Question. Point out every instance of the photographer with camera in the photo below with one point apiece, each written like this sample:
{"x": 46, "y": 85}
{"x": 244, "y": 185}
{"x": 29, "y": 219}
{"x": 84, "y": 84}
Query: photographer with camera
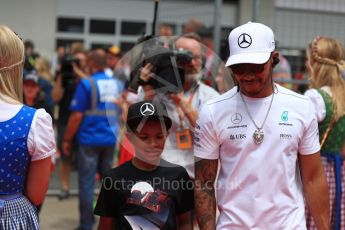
{"x": 184, "y": 107}
{"x": 73, "y": 68}
{"x": 173, "y": 77}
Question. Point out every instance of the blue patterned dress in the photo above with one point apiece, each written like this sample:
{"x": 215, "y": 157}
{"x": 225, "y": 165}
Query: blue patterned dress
{"x": 16, "y": 212}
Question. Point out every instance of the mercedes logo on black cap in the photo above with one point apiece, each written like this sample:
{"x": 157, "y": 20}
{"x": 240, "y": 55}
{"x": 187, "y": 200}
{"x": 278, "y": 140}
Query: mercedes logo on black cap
{"x": 147, "y": 109}
{"x": 244, "y": 40}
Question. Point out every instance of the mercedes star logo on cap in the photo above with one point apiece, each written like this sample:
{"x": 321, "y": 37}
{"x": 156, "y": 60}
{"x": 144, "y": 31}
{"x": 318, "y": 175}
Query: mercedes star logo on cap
{"x": 147, "y": 109}
{"x": 244, "y": 40}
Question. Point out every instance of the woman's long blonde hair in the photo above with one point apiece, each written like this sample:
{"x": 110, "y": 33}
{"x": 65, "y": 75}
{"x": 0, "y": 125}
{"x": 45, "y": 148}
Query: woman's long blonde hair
{"x": 11, "y": 66}
{"x": 327, "y": 63}
{"x": 43, "y": 68}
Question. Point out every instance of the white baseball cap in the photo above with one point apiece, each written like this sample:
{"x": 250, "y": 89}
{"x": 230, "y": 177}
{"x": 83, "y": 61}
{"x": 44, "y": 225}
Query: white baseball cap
{"x": 250, "y": 43}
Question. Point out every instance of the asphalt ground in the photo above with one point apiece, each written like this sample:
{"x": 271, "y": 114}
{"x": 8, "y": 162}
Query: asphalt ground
{"x": 64, "y": 214}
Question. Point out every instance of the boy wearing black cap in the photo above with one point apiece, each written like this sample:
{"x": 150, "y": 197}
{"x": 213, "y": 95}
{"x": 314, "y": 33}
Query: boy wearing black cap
{"x": 146, "y": 192}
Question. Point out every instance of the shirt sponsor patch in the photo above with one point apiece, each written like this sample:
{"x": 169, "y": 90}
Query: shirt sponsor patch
{"x": 285, "y": 136}
{"x": 238, "y": 136}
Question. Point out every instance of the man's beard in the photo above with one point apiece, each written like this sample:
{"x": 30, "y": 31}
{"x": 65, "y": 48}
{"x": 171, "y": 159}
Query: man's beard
{"x": 193, "y": 77}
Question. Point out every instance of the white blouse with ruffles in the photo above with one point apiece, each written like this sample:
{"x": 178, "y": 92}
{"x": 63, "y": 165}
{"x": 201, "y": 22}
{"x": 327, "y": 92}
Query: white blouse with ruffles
{"x": 41, "y": 138}
{"x": 318, "y": 102}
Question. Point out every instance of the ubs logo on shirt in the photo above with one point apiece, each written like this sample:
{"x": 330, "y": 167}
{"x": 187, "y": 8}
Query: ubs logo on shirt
{"x": 238, "y": 136}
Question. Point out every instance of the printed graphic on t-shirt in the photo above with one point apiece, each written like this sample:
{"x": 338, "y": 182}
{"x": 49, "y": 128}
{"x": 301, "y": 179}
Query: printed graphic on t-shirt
{"x": 156, "y": 201}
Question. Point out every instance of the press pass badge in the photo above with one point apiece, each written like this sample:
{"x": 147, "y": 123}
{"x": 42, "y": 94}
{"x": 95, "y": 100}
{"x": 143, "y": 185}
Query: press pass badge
{"x": 184, "y": 139}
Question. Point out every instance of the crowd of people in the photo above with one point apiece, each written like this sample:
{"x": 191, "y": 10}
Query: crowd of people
{"x": 188, "y": 143}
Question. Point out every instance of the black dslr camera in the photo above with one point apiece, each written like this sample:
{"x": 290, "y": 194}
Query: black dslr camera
{"x": 67, "y": 69}
{"x": 167, "y": 77}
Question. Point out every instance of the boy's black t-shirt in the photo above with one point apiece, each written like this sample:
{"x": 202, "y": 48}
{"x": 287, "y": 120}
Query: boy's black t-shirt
{"x": 140, "y": 199}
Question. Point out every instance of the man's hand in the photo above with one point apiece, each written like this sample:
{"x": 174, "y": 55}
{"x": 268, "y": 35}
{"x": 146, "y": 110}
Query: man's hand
{"x": 72, "y": 127}
{"x": 78, "y": 72}
{"x": 315, "y": 189}
{"x": 66, "y": 147}
{"x": 176, "y": 98}
{"x": 58, "y": 90}
{"x": 146, "y": 72}
{"x": 191, "y": 113}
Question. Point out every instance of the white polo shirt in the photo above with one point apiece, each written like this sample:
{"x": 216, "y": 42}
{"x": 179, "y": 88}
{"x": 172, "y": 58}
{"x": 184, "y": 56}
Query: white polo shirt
{"x": 259, "y": 185}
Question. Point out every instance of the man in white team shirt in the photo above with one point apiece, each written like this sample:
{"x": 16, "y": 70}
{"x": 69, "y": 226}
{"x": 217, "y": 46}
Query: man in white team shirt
{"x": 265, "y": 138}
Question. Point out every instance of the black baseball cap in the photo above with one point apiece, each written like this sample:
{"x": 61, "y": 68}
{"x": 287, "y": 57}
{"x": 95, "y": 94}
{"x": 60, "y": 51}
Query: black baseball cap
{"x": 140, "y": 112}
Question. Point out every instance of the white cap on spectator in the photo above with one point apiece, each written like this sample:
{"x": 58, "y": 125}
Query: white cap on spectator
{"x": 250, "y": 43}
{"x": 31, "y": 77}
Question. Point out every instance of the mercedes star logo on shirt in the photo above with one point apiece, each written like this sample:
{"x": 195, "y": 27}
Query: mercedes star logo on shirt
{"x": 236, "y": 118}
{"x": 147, "y": 109}
{"x": 244, "y": 40}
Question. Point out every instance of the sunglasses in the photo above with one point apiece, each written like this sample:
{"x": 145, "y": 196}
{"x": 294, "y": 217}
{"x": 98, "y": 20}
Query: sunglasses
{"x": 241, "y": 69}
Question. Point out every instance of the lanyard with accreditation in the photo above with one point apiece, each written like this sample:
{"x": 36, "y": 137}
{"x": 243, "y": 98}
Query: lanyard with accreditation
{"x": 184, "y": 134}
